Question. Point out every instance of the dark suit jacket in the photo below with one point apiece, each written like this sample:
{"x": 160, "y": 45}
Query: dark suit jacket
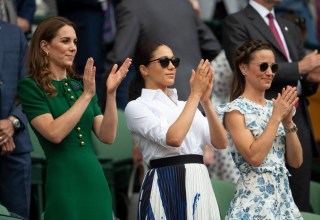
{"x": 88, "y": 16}
{"x": 248, "y": 24}
{"x": 13, "y": 46}
{"x": 26, "y": 9}
{"x": 174, "y": 23}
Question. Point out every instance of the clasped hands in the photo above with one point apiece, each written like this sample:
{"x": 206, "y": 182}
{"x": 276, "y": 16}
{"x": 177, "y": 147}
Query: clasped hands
{"x": 310, "y": 66}
{"x": 6, "y": 140}
{"x": 201, "y": 81}
{"x": 314, "y": 75}
{"x": 284, "y": 104}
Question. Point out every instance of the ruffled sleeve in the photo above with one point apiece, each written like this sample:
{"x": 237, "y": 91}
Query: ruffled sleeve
{"x": 256, "y": 118}
{"x": 250, "y": 114}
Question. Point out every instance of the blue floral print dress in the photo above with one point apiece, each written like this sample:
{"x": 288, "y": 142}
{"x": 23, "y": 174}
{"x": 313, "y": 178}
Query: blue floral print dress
{"x": 262, "y": 192}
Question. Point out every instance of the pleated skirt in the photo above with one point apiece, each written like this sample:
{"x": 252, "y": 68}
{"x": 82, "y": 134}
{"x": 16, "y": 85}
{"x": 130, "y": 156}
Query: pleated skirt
{"x": 178, "y": 192}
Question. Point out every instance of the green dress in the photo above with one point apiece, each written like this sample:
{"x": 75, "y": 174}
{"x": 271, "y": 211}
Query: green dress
{"x": 75, "y": 188}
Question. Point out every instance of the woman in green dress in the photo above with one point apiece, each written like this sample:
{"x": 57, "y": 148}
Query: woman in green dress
{"x": 63, "y": 111}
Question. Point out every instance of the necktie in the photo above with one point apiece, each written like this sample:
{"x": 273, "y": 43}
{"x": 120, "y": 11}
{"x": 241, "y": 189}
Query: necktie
{"x": 109, "y": 26}
{"x": 276, "y": 34}
{"x": 3, "y": 12}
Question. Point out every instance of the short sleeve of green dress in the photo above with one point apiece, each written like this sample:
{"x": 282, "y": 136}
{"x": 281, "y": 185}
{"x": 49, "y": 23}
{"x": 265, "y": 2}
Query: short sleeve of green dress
{"x": 76, "y": 188}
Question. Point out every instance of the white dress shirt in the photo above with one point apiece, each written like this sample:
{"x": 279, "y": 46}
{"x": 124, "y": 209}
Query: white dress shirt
{"x": 149, "y": 118}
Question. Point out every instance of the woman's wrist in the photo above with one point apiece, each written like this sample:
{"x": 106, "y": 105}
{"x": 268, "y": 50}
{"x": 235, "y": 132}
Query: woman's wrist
{"x": 111, "y": 93}
{"x": 288, "y": 124}
{"x": 87, "y": 95}
{"x": 290, "y": 128}
{"x": 205, "y": 102}
{"x": 195, "y": 96}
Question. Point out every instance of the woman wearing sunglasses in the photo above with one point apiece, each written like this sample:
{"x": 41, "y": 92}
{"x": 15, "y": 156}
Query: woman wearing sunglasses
{"x": 172, "y": 135}
{"x": 263, "y": 137}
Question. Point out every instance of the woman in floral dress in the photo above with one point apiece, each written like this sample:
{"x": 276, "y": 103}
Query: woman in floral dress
{"x": 263, "y": 137}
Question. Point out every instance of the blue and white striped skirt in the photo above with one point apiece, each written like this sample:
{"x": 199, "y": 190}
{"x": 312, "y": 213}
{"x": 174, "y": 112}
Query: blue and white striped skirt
{"x": 178, "y": 192}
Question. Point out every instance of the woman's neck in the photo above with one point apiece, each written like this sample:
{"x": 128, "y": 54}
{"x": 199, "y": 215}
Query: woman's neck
{"x": 255, "y": 97}
{"x": 58, "y": 74}
{"x": 153, "y": 87}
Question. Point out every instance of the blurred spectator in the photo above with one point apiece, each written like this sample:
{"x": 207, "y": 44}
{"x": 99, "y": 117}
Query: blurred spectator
{"x": 223, "y": 166}
{"x": 45, "y": 8}
{"x": 210, "y": 8}
{"x": 19, "y": 12}
{"x": 89, "y": 17}
{"x": 8, "y": 12}
{"x": 52, "y": 6}
{"x": 174, "y": 23}
{"x": 25, "y": 11}
{"x": 196, "y": 6}
{"x": 300, "y": 8}
{"x": 299, "y": 21}
{"x": 15, "y": 145}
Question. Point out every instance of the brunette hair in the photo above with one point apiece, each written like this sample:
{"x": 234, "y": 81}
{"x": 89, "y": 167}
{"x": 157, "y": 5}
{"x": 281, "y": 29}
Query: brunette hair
{"x": 142, "y": 57}
{"x": 38, "y": 60}
{"x": 243, "y": 55}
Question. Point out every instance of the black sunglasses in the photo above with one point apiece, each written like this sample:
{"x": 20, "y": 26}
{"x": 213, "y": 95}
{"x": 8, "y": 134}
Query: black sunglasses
{"x": 264, "y": 66}
{"x": 164, "y": 61}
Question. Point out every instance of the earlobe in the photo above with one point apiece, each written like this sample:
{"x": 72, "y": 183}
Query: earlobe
{"x": 243, "y": 69}
{"x": 44, "y": 46}
{"x": 143, "y": 70}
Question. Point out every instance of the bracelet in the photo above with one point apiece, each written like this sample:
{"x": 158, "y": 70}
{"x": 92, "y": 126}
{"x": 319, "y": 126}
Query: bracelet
{"x": 290, "y": 130}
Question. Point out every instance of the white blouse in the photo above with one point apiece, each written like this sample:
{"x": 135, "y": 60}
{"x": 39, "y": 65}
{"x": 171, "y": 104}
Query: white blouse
{"x": 149, "y": 118}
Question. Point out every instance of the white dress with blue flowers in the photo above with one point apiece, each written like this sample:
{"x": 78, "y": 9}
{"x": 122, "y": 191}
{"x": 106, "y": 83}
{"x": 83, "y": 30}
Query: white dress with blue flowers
{"x": 262, "y": 192}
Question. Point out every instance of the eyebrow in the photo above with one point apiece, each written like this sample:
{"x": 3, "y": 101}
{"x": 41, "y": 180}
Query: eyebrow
{"x": 68, "y": 38}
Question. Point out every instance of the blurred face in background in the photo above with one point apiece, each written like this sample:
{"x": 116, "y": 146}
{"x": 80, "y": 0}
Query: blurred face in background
{"x": 269, "y": 3}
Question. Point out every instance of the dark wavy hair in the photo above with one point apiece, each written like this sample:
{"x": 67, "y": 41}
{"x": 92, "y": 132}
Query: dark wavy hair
{"x": 38, "y": 60}
{"x": 142, "y": 56}
{"x": 243, "y": 55}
